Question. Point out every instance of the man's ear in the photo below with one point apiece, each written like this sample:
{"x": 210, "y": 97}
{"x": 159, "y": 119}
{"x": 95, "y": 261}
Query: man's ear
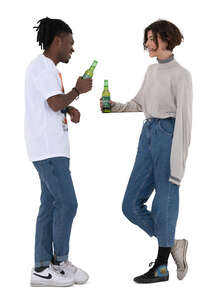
{"x": 57, "y": 41}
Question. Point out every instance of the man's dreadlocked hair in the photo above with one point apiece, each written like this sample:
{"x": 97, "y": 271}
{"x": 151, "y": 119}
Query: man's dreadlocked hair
{"x": 48, "y": 29}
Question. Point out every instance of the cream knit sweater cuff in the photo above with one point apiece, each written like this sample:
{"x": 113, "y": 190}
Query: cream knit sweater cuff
{"x": 174, "y": 180}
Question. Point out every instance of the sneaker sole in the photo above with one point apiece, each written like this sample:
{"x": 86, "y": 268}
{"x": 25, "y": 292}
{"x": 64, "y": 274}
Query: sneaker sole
{"x": 80, "y": 282}
{"x": 154, "y": 280}
{"x": 51, "y": 284}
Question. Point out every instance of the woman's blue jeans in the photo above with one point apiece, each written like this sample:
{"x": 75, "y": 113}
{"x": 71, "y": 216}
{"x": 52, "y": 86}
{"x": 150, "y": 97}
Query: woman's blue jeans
{"x": 151, "y": 171}
{"x": 57, "y": 210}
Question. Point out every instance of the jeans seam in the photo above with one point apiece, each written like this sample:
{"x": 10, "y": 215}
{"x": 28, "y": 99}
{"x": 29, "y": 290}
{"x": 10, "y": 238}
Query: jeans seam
{"x": 138, "y": 194}
{"x": 56, "y": 180}
{"x": 168, "y": 203}
{"x": 149, "y": 138}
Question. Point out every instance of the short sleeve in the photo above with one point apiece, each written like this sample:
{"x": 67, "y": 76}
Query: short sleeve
{"x": 48, "y": 85}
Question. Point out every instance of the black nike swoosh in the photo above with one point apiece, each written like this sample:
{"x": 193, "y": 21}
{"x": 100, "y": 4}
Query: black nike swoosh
{"x": 45, "y": 277}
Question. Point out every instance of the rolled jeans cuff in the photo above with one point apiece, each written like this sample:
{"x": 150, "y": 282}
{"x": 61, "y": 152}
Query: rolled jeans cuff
{"x": 42, "y": 264}
{"x": 62, "y": 258}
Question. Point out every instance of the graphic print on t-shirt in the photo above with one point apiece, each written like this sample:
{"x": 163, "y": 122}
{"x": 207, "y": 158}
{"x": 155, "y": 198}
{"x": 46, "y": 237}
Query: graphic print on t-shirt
{"x": 64, "y": 120}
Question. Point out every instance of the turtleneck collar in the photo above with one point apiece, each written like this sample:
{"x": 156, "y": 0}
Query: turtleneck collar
{"x": 169, "y": 63}
{"x": 164, "y": 61}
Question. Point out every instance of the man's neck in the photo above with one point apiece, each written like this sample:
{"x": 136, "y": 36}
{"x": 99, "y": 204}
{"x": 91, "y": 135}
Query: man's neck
{"x": 51, "y": 56}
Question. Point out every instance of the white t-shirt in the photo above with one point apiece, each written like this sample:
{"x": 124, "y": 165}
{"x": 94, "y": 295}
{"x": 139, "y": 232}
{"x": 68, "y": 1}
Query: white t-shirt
{"x": 46, "y": 131}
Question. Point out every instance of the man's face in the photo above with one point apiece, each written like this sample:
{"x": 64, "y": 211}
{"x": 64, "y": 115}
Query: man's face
{"x": 65, "y": 48}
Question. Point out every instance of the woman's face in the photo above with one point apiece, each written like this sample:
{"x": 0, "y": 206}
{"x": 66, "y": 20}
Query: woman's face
{"x": 151, "y": 46}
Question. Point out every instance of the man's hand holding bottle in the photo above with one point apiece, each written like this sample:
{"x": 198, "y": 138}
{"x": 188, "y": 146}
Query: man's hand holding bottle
{"x": 83, "y": 85}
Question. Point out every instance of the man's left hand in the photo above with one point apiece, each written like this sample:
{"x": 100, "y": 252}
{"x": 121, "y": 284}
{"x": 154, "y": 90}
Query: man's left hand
{"x": 74, "y": 114}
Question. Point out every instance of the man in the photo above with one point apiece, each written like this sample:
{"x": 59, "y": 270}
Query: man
{"x": 46, "y": 134}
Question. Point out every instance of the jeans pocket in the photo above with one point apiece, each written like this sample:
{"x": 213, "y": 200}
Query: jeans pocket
{"x": 167, "y": 125}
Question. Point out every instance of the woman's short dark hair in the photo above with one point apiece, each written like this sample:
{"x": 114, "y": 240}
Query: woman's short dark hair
{"x": 167, "y": 31}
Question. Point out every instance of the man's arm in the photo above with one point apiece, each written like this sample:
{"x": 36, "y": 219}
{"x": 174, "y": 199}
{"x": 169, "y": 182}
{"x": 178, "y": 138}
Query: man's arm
{"x": 74, "y": 114}
{"x": 61, "y": 101}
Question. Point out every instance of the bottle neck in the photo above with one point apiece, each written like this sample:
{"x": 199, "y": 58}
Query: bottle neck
{"x": 106, "y": 87}
{"x": 92, "y": 68}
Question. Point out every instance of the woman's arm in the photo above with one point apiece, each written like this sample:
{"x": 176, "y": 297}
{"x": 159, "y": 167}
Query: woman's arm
{"x": 134, "y": 105}
{"x": 182, "y": 129}
{"x": 131, "y": 106}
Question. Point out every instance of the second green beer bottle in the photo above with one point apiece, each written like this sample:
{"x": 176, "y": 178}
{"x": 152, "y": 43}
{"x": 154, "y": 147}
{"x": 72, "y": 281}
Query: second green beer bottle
{"x": 106, "y": 98}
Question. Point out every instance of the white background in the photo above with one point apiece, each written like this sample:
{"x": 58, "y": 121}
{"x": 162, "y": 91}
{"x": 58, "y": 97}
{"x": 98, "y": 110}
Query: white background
{"x": 103, "y": 148}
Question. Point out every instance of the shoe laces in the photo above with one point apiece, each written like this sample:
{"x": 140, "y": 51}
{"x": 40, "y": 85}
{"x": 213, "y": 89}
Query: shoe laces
{"x": 178, "y": 263}
{"x": 151, "y": 271}
{"x": 69, "y": 264}
{"x": 57, "y": 272}
{"x": 151, "y": 263}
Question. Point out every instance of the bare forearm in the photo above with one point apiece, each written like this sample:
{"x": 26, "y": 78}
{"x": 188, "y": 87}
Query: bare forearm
{"x": 63, "y": 100}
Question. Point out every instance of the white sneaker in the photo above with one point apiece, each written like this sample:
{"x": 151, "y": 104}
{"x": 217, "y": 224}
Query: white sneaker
{"x": 49, "y": 277}
{"x": 76, "y": 274}
{"x": 178, "y": 252}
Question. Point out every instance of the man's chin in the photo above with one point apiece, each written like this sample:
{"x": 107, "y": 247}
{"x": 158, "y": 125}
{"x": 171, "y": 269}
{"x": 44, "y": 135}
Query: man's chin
{"x": 65, "y": 60}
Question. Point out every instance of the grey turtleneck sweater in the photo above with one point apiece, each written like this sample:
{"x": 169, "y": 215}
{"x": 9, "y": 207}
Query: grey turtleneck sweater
{"x": 166, "y": 91}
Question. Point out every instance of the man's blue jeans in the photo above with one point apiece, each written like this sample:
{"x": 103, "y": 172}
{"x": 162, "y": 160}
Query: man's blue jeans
{"x": 151, "y": 171}
{"x": 57, "y": 210}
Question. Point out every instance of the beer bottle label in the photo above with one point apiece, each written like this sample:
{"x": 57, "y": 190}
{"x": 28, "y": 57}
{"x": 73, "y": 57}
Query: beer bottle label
{"x": 106, "y": 103}
{"x": 85, "y": 76}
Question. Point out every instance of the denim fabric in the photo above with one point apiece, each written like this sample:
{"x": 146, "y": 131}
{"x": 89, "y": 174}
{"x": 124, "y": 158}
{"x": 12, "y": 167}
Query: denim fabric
{"x": 57, "y": 210}
{"x": 151, "y": 171}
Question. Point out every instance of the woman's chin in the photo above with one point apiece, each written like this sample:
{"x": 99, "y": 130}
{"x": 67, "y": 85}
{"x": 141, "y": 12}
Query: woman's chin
{"x": 152, "y": 54}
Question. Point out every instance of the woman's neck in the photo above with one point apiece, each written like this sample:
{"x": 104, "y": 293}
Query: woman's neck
{"x": 166, "y": 60}
{"x": 164, "y": 54}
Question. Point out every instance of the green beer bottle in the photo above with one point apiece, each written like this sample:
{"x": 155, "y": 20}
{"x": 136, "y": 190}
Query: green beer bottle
{"x": 89, "y": 73}
{"x": 106, "y": 98}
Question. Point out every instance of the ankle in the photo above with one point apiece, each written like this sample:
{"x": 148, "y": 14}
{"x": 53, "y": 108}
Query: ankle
{"x": 55, "y": 262}
{"x": 163, "y": 255}
{"x": 160, "y": 262}
{"x": 40, "y": 269}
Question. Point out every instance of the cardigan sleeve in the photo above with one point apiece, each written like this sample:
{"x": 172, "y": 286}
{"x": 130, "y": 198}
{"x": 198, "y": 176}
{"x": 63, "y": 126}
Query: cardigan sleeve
{"x": 134, "y": 105}
{"x": 182, "y": 130}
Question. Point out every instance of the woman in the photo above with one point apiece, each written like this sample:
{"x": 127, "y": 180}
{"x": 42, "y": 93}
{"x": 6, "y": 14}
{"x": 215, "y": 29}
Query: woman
{"x": 165, "y": 98}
